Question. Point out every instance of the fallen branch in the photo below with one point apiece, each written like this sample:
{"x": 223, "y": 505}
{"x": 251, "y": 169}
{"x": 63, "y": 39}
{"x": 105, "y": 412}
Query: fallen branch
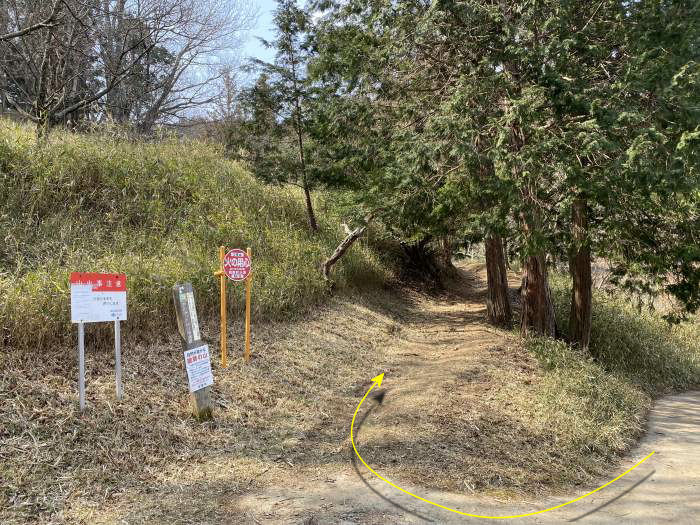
{"x": 344, "y": 246}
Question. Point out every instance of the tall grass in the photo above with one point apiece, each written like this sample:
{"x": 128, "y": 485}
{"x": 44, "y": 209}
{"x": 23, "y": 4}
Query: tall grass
{"x": 596, "y": 401}
{"x": 638, "y": 345}
{"x": 158, "y": 212}
{"x": 589, "y": 409}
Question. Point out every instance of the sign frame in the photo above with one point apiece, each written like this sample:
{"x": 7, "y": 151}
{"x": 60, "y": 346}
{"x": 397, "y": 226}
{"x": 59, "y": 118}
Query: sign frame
{"x": 236, "y": 265}
{"x": 88, "y": 289}
{"x": 229, "y": 264}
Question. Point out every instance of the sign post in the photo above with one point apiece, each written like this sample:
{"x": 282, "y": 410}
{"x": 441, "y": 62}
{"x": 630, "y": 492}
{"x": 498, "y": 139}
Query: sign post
{"x": 81, "y": 365}
{"x": 118, "y": 358}
{"x": 196, "y": 353}
{"x": 98, "y": 298}
{"x": 248, "y": 284}
{"x": 222, "y": 284}
{"x": 237, "y": 267}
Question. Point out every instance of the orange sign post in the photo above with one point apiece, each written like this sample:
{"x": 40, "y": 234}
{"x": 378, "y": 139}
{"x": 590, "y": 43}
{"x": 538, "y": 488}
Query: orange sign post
{"x": 248, "y": 284}
{"x": 222, "y": 283}
{"x": 236, "y": 265}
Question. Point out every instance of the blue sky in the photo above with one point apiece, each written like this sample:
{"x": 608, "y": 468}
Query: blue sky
{"x": 263, "y": 28}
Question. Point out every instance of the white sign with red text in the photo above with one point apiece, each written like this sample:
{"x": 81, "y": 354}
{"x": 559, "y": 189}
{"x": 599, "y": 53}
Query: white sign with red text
{"x": 237, "y": 265}
{"x": 198, "y": 366}
{"x": 97, "y": 297}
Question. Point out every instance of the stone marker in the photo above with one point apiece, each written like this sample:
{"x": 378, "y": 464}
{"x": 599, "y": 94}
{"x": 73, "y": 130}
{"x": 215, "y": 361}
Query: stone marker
{"x": 188, "y": 326}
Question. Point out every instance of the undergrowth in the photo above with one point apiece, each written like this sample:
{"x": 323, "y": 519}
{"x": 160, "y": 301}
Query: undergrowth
{"x": 636, "y": 344}
{"x": 597, "y": 400}
{"x": 589, "y": 409}
{"x": 158, "y": 212}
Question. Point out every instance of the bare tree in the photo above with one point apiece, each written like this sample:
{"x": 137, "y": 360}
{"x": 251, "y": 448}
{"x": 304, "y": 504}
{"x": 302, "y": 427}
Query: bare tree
{"x": 31, "y": 24}
{"x": 52, "y": 74}
{"x": 191, "y": 51}
{"x": 44, "y": 70}
{"x": 225, "y": 105}
{"x": 141, "y": 61}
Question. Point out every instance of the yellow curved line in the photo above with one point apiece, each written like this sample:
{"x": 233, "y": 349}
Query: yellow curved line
{"x": 352, "y": 440}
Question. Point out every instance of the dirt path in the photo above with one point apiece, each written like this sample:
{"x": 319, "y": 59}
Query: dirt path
{"x": 666, "y": 489}
{"x": 462, "y": 415}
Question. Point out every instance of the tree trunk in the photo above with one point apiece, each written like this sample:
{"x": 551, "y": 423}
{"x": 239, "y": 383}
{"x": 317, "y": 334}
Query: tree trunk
{"x": 42, "y": 131}
{"x": 313, "y": 225}
{"x": 537, "y": 312}
{"x": 447, "y": 251}
{"x": 537, "y": 315}
{"x": 497, "y": 302}
{"x": 580, "y": 269}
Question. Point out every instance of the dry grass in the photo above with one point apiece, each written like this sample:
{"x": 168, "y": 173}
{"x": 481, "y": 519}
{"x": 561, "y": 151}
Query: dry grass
{"x": 157, "y": 211}
{"x": 271, "y": 417}
{"x": 482, "y": 414}
{"x": 467, "y": 408}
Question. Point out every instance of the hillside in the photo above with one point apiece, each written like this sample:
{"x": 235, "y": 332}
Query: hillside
{"x": 469, "y": 408}
{"x": 158, "y": 212}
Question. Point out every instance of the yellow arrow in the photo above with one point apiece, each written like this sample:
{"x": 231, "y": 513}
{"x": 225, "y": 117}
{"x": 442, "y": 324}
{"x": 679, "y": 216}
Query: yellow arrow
{"x": 377, "y": 381}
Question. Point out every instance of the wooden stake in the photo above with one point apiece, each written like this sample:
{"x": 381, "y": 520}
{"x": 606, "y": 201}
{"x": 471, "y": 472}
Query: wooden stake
{"x": 248, "y": 284}
{"x": 222, "y": 284}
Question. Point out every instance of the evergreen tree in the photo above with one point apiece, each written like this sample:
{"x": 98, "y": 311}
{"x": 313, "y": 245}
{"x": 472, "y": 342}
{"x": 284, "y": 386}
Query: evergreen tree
{"x": 480, "y": 111}
{"x": 277, "y": 109}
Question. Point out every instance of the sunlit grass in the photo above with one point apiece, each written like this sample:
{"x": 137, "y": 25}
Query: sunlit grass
{"x": 597, "y": 400}
{"x": 158, "y": 212}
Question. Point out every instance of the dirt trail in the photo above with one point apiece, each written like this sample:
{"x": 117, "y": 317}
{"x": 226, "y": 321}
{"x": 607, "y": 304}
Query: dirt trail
{"x": 666, "y": 489}
{"x": 460, "y": 416}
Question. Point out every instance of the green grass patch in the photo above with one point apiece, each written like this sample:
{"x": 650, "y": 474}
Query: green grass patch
{"x": 158, "y": 212}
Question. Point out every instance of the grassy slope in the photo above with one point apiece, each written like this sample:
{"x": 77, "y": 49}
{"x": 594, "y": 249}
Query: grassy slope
{"x": 597, "y": 403}
{"x": 157, "y": 212}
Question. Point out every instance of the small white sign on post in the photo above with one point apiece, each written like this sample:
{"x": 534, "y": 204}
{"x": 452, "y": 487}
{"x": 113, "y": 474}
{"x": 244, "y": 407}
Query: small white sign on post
{"x": 97, "y": 298}
{"x": 198, "y": 365}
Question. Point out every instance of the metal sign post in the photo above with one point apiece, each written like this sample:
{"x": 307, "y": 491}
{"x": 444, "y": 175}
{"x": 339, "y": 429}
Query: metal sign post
{"x": 81, "y": 365}
{"x": 118, "y": 358}
{"x": 98, "y": 298}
